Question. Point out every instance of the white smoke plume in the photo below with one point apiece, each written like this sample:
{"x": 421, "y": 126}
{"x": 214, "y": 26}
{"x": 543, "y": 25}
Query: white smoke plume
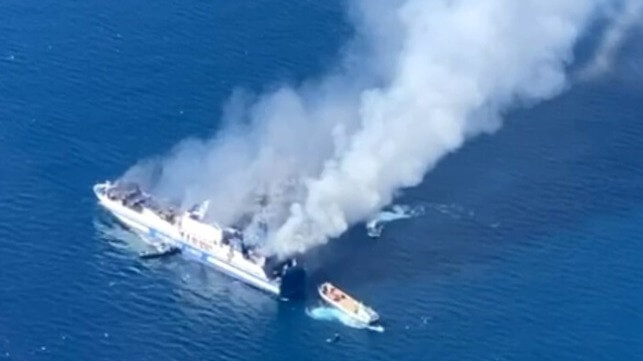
{"x": 421, "y": 77}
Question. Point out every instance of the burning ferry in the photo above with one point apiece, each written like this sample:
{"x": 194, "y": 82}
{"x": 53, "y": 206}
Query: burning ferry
{"x": 170, "y": 231}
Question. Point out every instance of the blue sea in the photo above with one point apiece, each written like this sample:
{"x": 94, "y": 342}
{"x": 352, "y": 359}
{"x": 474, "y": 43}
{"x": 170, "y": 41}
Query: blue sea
{"x": 529, "y": 245}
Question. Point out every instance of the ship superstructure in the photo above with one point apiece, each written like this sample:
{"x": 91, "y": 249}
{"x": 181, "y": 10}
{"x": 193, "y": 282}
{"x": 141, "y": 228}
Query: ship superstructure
{"x": 223, "y": 248}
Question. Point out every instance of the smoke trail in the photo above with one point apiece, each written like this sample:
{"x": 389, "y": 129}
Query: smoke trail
{"x": 461, "y": 64}
{"x": 421, "y": 78}
{"x": 623, "y": 19}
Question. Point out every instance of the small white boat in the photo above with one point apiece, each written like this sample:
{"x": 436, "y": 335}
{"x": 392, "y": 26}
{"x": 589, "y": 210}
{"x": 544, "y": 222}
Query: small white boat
{"x": 160, "y": 250}
{"x": 347, "y": 304}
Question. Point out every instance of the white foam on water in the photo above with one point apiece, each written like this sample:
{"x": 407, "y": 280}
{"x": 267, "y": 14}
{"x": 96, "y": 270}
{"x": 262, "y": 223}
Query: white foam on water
{"x": 376, "y": 224}
{"x": 324, "y": 313}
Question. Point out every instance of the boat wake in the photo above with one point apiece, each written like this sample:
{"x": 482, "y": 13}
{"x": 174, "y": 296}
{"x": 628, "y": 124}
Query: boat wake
{"x": 324, "y": 313}
{"x": 376, "y": 224}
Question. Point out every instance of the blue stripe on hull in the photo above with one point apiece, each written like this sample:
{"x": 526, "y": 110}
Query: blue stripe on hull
{"x": 201, "y": 256}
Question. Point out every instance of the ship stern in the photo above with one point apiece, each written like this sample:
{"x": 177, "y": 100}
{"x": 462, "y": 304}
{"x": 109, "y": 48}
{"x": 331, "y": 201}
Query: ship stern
{"x": 293, "y": 283}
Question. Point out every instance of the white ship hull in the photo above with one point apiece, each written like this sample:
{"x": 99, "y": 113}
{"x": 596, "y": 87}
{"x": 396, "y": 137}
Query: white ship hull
{"x": 206, "y": 247}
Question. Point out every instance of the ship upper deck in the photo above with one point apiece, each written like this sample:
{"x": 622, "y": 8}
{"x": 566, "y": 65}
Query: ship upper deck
{"x": 132, "y": 197}
{"x": 192, "y": 227}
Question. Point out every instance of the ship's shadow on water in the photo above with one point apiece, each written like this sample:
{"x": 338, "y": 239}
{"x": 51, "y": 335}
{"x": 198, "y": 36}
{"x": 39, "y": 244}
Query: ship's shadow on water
{"x": 119, "y": 237}
{"x": 192, "y": 284}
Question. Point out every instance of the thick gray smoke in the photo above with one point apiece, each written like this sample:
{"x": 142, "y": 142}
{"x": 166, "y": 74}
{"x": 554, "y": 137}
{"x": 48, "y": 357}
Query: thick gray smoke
{"x": 421, "y": 78}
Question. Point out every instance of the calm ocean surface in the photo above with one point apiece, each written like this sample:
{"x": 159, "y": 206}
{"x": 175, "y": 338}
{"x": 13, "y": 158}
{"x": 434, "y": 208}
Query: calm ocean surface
{"x": 530, "y": 248}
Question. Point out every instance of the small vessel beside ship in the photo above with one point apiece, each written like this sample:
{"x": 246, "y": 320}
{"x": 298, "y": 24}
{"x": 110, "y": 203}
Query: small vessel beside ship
{"x": 160, "y": 250}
